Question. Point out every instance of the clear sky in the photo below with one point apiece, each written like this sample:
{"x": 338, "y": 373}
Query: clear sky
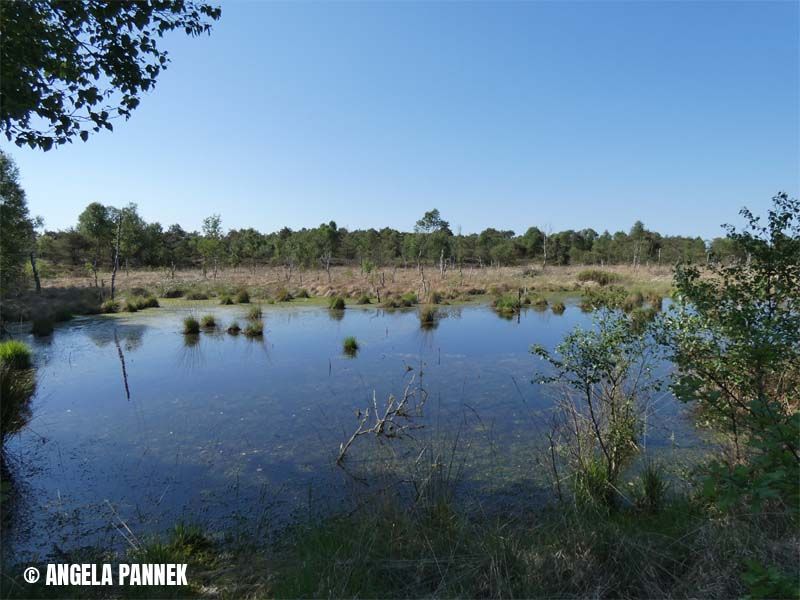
{"x": 562, "y": 114}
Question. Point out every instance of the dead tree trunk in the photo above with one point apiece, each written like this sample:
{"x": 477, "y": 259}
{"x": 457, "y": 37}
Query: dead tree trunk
{"x": 116, "y": 256}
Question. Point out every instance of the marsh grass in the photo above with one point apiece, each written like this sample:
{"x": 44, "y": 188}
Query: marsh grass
{"x": 409, "y": 299}
{"x": 538, "y": 303}
{"x": 225, "y": 300}
{"x": 558, "y": 308}
{"x": 42, "y": 326}
{"x": 15, "y": 354}
{"x": 196, "y": 295}
{"x": 191, "y": 326}
{"x": 302, "y": 293}
{"x": 208, "y": 322}
{"x": 254, "y": 329}
{"x": 598, "y": 276}
{"x": 110, "y": 306}
{"x": 254, "y": 313}
{"x": 336, "y": 303}
{"x": 350, "y": 346}
{"x": 507, "y": 305}
{"x": 172, "y": 293}
{"x": 234, "y": 328}
{"x": 363, "y": 299}
{"x": 428, "y": 316}
{"x": 283, "y": 295}
{"x": 650, "y": 489}
{"x": 242, "y": 297}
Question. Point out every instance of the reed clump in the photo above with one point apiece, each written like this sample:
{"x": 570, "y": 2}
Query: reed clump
{"x": 242, "y": 297}
{"x": 428, "y": 316}
{"x": 208, "y": 322}
{"x": 191, "y": 326}
{"x": 254, "y": 329}
{"x": 336, "y": 303}
{"x": 254, "y": 313}
{"x": 234, "y": 328}
{"x": 350, "y": 345}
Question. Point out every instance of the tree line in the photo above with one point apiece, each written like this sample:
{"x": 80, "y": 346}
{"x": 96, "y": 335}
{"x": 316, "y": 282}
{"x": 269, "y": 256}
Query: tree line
{"x": 106, "y": 235}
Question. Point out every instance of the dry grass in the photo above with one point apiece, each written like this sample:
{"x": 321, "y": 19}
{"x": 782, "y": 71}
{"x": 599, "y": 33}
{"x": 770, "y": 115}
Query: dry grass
{"x": 350, "y": 283}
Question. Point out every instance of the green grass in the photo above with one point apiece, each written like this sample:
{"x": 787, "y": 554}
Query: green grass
{"x": 208, "y": 322}
{"x": 336, "y": 303}
{"x": 350, "y": 345}
{"x": 254, "y": 313}
{"x": 409, "y": 299}
{"x": 191, "y": 326}
{"x": 508, "y": 304}
{"x": 254, "y": 329}
{"x": 15, "y": 354}
{"x": 302, "y": 293}
{"x": 16, "y": 389}
{"x": 283, "y": 295}
{"x": 363, "y": 299}
{"x": 225, "y": 300}
{"x": 110, "y": 306}
{"x": 242, "y": 297}
{"x": 173, "y": 293}
{"x": 197, "y": 296}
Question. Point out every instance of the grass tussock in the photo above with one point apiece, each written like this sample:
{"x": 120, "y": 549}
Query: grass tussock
{"x": 234, "y": 328}
{"x": 225, "y": 300}
{"x": 254, "y": 313}
{"x": 598, "y": 276}
{"x": 428, "y": 316}
{"x": 254, "y": 329}
{"x": 173, "y": 293}
{"x": 508, "y": 304}
{"x": 558, "y": 308}
{"x": 196, "y": 295}
{"x": 350, "y": 346}
{"x": 110, "y": 306}
{"x": 191, "y": 326}
{"x": 363, "y": 299}
{"x": 15, "y": 354}
{"x": 17, "y": 386}
{"x": 302, "y": 293}
{"x": 409, "y": 299}
{"x": 242, "y": 297}
{"x": 283, "y": 295}
{"x": 336, "y": 303}
{"x": 42, "y": 326}
{"x": 208, "y": 322}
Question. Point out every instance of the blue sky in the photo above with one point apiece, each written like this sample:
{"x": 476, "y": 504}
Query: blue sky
{"x": 561, "y": 115}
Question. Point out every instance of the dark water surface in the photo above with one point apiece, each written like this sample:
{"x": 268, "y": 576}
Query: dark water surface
{"x": 224, "y": 429}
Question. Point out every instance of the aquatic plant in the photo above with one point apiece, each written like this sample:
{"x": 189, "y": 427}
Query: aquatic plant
{"x": 208, "y": 322}
{"x": 109, "y": 306}
{"x": 558, "y": 308}
{"x": 191, "y": 326}
{"x": 234, "y": 328}
{"x": 42, "y": 326}
{"x": 254, "y": 329}
{"x": 428, "y": 316}
{"x": 225, "y": 300}
{"x": 507, "y": 305}
{"x": 243, "y": 297}
{"x": 336, "y": 303}
{"x": 283, "y": 295}
{"x": 254, "y": 313}
{"x": 15, "y": 354}
{"x": 350, "y": 345}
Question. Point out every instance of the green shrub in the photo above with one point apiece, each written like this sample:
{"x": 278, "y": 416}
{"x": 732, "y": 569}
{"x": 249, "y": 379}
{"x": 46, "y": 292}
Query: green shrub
{"x": 598, "y": 276}
{"x": 208, "y": 322}
{"x": 558, "y": 308}
{"x": 607, "y": 297}
{"x": 350, "y": 345}
{"x": 336, "y": 303}
{"x": 191, "y": 326}
{"x": 254, "y": 329}
{"x": 225, "y": 300}
{"x": 363, "y": 299}
{"x": 109, "y": 306}
{"x": 254, "y": 313}
{"x": 15, "y": 354}
{"x": 283, "y": 295}
{"x": 243, "y": 297}
{"x": 197, "y": 296}
{"x": 42, "y": 326}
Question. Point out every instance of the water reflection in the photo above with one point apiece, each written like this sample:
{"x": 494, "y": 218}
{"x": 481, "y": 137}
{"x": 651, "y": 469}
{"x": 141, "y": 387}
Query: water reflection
{"x": 223, "y": 427}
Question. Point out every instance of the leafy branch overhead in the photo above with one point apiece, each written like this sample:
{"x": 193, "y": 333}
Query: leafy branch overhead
{"x": 71, "y": 67}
